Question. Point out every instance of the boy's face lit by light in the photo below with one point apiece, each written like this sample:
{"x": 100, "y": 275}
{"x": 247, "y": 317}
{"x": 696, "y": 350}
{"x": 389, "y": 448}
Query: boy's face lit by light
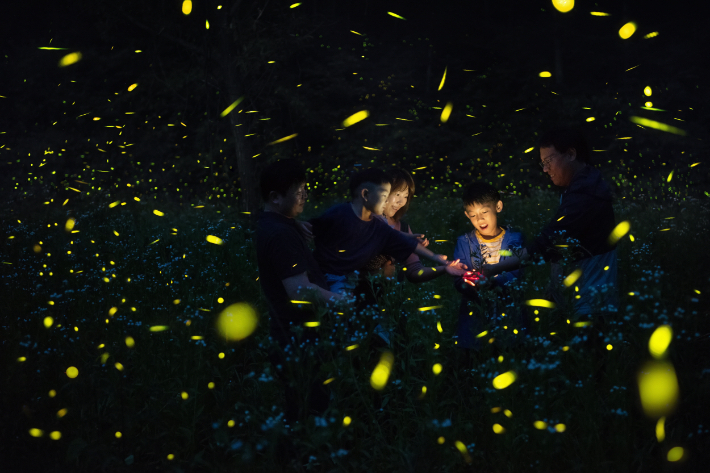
{"x": 484, "y": 217}
{"x": 396, "y": 200}
{"x": 375, "y": 197}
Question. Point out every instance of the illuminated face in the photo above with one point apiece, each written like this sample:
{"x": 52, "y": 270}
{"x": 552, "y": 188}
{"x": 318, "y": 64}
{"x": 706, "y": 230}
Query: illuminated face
{"x": 396, "y": 200}
{"x": 557, "y": 165}
{"x": 291, "y": 204}
{"x": 375, "y": 197}
{"x": 484, "y": 217}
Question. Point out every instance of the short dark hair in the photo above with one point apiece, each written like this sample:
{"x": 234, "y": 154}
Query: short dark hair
{"x": 480, "y": 193}
{"x": 564, "y": 139}
{"x": 401, "y": 179}
{"x": 280, "y": 175}
{"x": 371, "y": 175}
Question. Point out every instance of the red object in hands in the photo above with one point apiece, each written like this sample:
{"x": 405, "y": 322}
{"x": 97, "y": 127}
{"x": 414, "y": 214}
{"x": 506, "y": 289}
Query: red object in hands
{"x": 473, "y": 277}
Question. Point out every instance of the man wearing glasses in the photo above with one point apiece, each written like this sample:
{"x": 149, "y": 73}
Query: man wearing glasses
{"x": 583, "y": 223}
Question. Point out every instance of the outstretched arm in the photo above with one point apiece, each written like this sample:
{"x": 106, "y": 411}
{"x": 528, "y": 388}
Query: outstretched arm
{"x": 509, "y": 264}
{"x": 455, "y": 267}
{"x": 295, "y": 284}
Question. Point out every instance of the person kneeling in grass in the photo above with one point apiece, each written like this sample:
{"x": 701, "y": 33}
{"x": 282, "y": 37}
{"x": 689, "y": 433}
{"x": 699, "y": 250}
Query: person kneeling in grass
{"x": 347, "y": 236}
{"x": 395, "y": 208}
{"x": 487, "y": 244}
{"x": 287, "y": 269}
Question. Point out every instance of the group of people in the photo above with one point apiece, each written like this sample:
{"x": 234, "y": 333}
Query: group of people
{"x": 368, "y": 235}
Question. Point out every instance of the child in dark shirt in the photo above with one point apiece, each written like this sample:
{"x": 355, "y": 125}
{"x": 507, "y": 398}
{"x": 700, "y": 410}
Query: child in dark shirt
{"x": 348, "y": 236}
{"x": 488, "y": 243}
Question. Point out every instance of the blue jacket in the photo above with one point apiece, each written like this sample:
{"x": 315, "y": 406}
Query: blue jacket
{"x": 467, "y": 247}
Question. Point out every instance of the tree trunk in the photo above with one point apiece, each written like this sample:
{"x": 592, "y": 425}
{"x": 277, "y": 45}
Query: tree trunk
{"x": 243, "y": 162}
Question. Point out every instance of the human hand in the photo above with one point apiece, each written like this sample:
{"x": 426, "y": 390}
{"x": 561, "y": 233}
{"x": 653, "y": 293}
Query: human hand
{"x": 455, "y": 268}
{"x": 306, "y": 229}
{"x": 474, "y": 278}
{"x": 422, "y": 239}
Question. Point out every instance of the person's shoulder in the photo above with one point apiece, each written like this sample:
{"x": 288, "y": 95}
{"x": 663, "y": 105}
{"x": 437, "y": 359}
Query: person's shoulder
{"x": 512, "y": 234}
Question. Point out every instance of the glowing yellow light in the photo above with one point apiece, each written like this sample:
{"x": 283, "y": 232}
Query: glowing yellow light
{"x": 661, "y": 429}
{"x": 221, "y": 356}
{"x": 658, "y": 387}
{"x": 659, "y": 341}
{"x": 504, "y": 380}
{"x": 440, "y": 440}
{"x": 295, "y": 5}
{"x": 72, "y": 372}
{"x": 237, "y": 321}
{"x": 529, "y": 149}
{"x": 210, "y": 385}
{"x": 132, "y": 87}
{"x": 70, "y": 59}
{"x": 610, "y": 347}
{"x": 540, "y": 303}
{"x": 351, "y": 347}
{"x": 118, "y": 435}
{"x": 184, "y": 395}
{"x": 482, "y": 334}
{"x": 112, "y": 311}
{"x": 69, "y": 226}
{"x": 170, "y": 456}
{"x": 130, "y": 343}
{"x": 48, "y": 321}
{"x": 619, "y": 231}
{"x": 197, "y": 337}
{"x": 21, "y": 359}
{"x": 36, "y": 432}
{"x": 61, "y": 413}
{"x": 572, "y": 278}
{"x": 446, "y": 113}
{"x": 675, "y": 454}
{"x": 158, "y": 213}
{"x": 443, "y": 79}
{"x": 285, "y": 138}
{"x": 598, "y": 13}
{"x": 438, "y": 327}
{"x": 464, "y": 451}
{"x": 627, "y": 30}
{"x": 381, "y": 373}
{"x": 582, "y": 324}
{"x": 670, "y": 176}
{"x": 213, "y": 239}
{"x": 540, "y": 425}
{"x": 545, "y": 74}
{"x": 301, "y": 302}
{"x": 207, "y": 24}
{"x": 231, "y": 107}
{"x": 498, "y": 429}
{"x": 508, "y": 413}
{"x": 563, "y": 5}
{"x": 52, "y": 393}
{"x": 36, "y": 248}
{"x": 328, "y": 381}
{"x": 590, "y": 119}
{"x": 113, "y": 204}
{"x": 355, "y": 118}
{"x": 346, "y": 421}
{"x": 119, "y": 366}
{"x": 437, "y": 368}
{"x": 424, "y": 309}
{"x": 651, "y": 35}
{"x": 560, "y": 428}
{"x": 647, "y": 91}
{"x": 186, "y": 7}
{"x": 159, "y": 328}
{"x": 395, "y": 15}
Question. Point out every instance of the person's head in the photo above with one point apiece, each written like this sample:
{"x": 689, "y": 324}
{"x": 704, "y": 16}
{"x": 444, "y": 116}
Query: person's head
{"x": 371, "y": 187}
{"x": 481, "y": 205}
{"x": 400, "y": 195}
{"x": 283, "y": 187}
{"x": 562, "y": 152}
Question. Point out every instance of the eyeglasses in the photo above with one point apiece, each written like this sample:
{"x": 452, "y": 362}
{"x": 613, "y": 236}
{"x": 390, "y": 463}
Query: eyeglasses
{"x": 302, "y": 194}
{"x": 546, "y": 163}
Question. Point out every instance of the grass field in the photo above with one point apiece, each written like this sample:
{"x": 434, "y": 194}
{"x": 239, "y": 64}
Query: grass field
{"x": 186, "y": 400}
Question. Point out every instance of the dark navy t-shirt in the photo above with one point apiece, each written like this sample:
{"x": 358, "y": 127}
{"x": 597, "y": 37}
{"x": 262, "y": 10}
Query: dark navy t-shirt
{"x": 282, "y": 252}
{"x": 345, "y": 243}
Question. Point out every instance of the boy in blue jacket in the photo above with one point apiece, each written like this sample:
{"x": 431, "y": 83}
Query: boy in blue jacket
{"x": 486, "y": 244}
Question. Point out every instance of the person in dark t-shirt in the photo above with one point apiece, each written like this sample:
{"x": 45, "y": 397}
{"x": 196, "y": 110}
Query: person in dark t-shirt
{"x": 286, "y": 269}
{"x": 347, "y": 236}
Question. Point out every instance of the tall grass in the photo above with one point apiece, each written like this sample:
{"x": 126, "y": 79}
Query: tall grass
{"x": 162, "y": 271}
